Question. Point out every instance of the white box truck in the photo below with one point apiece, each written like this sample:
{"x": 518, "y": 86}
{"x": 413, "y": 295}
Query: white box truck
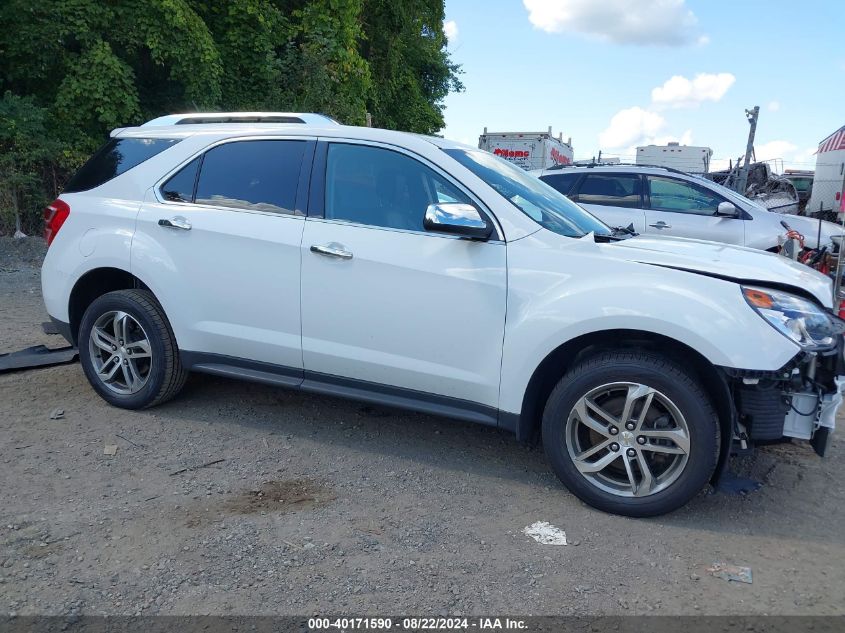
{"x": 693, "y": 160}
{"x": 828, "y": 194}
{"x": 529, "y": 150}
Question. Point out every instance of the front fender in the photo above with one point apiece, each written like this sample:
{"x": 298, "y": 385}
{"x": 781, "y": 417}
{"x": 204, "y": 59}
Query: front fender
{"x": 589, "y": 293}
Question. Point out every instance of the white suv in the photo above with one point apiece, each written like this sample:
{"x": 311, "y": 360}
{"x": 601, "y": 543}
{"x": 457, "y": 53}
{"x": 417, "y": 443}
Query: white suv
{"x": 668, "y": 202}
{"x": 419, "y": 273}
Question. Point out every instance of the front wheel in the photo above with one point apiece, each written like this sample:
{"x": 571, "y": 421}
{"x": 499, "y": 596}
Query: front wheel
{"x": 128, "y": 351}
{"x": 631, "y": 433}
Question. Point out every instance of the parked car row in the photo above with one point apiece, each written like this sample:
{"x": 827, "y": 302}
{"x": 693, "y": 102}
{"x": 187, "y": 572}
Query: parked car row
{"x": 421, "y": 273}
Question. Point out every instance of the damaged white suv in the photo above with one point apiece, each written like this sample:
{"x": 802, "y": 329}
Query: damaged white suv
{"x": 420, "y": 273}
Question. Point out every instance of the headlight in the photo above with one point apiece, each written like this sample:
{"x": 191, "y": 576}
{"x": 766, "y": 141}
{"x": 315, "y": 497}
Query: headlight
{"x": 803, "y": 321}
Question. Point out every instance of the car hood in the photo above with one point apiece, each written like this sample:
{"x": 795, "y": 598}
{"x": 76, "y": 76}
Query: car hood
{"x": 735, "y": 263}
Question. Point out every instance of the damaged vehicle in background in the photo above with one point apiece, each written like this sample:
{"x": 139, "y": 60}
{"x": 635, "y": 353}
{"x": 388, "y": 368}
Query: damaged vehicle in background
{"x": 668, "y": 202}
{"x": 420, "y": 273}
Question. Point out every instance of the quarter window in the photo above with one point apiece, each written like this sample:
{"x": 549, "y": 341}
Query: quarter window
{"x": 252, "y": 175}
{"x": 671, "y": 194}
{"x": 180, "y": 187}
{"x": 380, "y": 187}
{"x": 621, "y": 190}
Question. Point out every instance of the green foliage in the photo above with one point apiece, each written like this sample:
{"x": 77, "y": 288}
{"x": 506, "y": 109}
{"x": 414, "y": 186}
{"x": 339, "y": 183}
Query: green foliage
{"x": 25, "y": 149}
{"x": 72, "y": 70}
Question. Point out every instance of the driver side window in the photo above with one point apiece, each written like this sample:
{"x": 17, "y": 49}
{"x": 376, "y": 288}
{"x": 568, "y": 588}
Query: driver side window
{"x": 383, "y": 188}
{"x": 670, "y": 194}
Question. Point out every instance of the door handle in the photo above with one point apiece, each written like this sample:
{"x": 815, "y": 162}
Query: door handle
{"x": 175, "y": 223}
{"x": 661, "y": 225}
{"x": 331, "y": 250}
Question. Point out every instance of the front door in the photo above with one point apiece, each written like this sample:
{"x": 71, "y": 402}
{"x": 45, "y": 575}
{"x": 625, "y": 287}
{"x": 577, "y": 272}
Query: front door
{"x": 385, "y": 303}
{"x": 678, "y": 208}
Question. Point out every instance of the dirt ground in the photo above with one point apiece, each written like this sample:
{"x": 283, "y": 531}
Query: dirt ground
{"x": 238, "y": 498}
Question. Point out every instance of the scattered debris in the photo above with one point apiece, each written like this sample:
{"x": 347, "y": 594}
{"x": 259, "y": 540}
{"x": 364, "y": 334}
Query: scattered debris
{"x": 545, "y": 533}
{"x": 57, "y": 414}
{"x": 110, "y": 449}
{"x": 731, "y": 572}
{"x": 20, "y": 448}
{"x": 206, "y": 465}
{"x": 126, "y": 439}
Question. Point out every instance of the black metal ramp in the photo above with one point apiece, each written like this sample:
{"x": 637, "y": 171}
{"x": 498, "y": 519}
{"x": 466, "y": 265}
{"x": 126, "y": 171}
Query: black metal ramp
{"x": 37, "y": 356}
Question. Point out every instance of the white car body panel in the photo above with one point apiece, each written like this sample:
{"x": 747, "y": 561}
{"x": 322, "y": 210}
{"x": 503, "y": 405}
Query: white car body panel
{"x": 413, "y": 310}
{"x": 240, "y": 270}
{"x": 552, "y": 299}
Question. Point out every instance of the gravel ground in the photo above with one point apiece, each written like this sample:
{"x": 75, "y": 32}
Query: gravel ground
{"x": 244, "y": 499}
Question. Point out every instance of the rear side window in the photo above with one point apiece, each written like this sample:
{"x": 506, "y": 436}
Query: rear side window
{"x": 621, "y": 190}
{"x": 561, "y": 182}
{"x": 114, "y": 158}
{"x": 252, "y": 175}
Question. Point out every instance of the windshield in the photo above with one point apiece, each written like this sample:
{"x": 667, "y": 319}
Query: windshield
{"x": 543, "y": 204}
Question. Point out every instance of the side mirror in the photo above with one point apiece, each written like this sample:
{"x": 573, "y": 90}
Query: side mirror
{"x": 456, "y": 218}
{"x": 727, "y": 210}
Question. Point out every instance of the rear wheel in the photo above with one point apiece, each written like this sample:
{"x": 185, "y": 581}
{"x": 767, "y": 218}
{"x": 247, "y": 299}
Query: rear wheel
{"x": 128, "y": 351}
{"x": 631, "y": 433}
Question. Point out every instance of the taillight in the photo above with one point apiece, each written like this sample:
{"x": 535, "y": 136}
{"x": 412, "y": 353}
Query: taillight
{"x": 842, "y": 309}
{"x": 54, "y": 216}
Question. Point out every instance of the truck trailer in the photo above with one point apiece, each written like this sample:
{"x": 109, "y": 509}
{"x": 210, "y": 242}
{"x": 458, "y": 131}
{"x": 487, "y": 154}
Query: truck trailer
{"x": 529, "y": 150}
{"x": 828, "y": 193}
{"x": 693, "y": 160}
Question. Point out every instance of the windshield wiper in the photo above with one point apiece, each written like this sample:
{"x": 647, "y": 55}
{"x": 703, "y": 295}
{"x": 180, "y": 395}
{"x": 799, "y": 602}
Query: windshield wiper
{"x": 624, "y": 230}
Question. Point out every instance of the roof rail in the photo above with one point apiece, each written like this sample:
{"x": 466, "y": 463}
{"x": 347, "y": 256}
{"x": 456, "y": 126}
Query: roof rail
{"x": 205, "y": 118}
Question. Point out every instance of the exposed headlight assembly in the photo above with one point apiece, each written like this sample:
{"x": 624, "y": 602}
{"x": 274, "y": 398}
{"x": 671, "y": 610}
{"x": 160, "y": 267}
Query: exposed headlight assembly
{"x": 803, "y": 321}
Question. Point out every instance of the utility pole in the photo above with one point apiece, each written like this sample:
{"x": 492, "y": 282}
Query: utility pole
{"x": 742, "y": 180}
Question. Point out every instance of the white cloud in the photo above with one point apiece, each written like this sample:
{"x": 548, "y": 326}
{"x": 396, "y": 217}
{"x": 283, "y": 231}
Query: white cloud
{"x": 774, "y": 149}
{"x": 450, "y": 28}
{"x": 680, "y": 92}
{"x": 641, "y": 22}
{"x": 630, "y": 127}
{"x": 774, "y": 106}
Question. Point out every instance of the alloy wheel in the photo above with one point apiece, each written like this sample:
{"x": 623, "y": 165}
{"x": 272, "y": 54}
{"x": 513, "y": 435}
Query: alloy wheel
{"x": 120, "y": 352}
{"x": 628, "y": 439}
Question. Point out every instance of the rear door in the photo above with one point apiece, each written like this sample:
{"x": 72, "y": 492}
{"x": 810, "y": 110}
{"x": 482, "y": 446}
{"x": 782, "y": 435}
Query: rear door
{"x": 615, "y": 198}
{"x": 220, "y": 239}
{"x": 680, "y": 208}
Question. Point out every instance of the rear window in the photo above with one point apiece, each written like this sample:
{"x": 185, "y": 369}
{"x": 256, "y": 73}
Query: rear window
{"x": 114, "y": 158}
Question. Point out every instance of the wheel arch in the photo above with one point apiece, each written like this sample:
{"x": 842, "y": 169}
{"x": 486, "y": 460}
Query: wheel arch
{"x": 557, "y": 362}
{"x": 93, "y": 284}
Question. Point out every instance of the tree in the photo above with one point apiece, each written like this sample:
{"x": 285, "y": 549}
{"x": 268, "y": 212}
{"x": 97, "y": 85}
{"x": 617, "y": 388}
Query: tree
{"x": 406, "y": 50}
{"x": 85, "y": 67}
{"x": 25, "y": 147}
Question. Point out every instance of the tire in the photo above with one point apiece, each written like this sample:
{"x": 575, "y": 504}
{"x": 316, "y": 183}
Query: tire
{"x": 132, "y": 362}
{"x": 677, "y": 440}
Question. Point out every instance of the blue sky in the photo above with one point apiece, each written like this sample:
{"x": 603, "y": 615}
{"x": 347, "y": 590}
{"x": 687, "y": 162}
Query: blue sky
{"x": 597, "y": 70}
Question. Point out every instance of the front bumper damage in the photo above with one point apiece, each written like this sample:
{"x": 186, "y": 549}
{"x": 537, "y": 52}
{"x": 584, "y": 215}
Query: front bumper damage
{"x": 800, "y": 400}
